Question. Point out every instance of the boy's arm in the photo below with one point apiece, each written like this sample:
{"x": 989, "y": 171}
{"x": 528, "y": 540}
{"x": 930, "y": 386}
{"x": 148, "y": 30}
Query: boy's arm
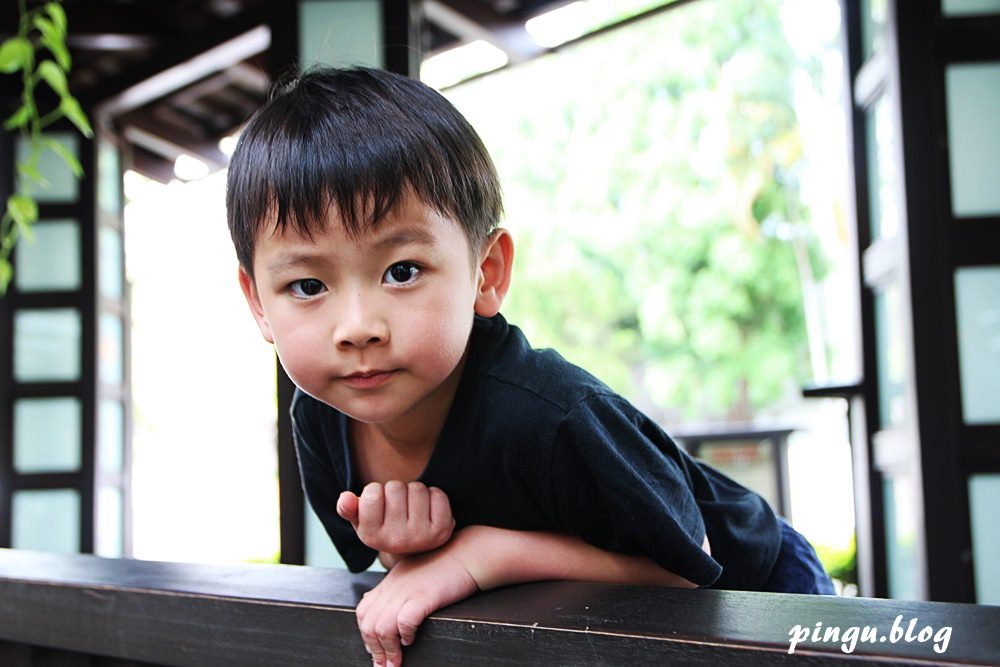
{"x": 480, "y": 558}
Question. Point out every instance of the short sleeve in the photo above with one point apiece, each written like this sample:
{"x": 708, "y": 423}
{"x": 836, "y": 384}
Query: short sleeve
{"x": 314, "y": 434}
{"x": 620, "y": 483}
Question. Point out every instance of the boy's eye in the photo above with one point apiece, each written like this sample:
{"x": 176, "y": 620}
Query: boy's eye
{"x": 401, "y": 273}
{"x": 308, "y": 287}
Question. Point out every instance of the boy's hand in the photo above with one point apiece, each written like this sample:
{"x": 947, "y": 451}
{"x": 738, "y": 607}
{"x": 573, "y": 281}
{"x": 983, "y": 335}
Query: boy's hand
{"x": 397, "y": 518}
{"x": 390, "y": 613}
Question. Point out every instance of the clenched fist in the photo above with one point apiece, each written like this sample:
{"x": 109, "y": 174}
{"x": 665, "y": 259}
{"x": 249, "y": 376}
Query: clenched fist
{"x": 399, "y": 519}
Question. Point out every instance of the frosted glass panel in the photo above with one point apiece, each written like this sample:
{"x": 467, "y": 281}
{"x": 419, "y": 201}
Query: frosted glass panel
{"x": 62, "y": 184}
{"x": 47, "y": 435}
{"x": 51, "y": 261}
{"x": 108, "y": 540}
{"x": 110, "y": 350}
{"x": 901, "y": 537}
{"x": 882, "y": 192}
{"x": 46, "y": 520}
{"x": 345, "y": 32}
{"x": 47, "y": 345}
{"x": 967, "y": 7}
{"x": 109, "y": 185}
{"x": 872, "y": 25}
{"x": 109, "y": 269}
{"x": 110, "y": 436}
{"x": 973, "y": 92}
{"x": 984, "y": 499}
{"x": 890, "y": 346}
{"x": 977, "y": 306}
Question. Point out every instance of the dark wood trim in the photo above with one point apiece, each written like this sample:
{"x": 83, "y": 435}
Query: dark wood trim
{"x": 401, "y": 21}
{"x": 292, "y": 502}
{"x": 930, "y": 234}
{"x": 868, "y": 493}
{"x": 975, "y": 241}
{"x": 49, "y": 480}
{"x": 969, "y": 38}
{"x": 87, "y": 207}
{"x": 249, "y": 615}
{"x": 6, "y": 342}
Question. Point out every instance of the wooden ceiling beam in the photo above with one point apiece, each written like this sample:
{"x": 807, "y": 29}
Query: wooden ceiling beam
{"x": 169, "y": 70}
{"x": 171, "y": 139}
{"x": 472, "y": 21}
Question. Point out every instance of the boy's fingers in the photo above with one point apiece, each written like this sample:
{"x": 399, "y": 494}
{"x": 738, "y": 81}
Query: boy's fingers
{"x": 371, "y": 506}
{"x": 395, "y": 504}
{"x": 387, "y": 633}
{"x": 347, "y": 507}
{"x": 440, "y": 508}
{"x": 409, "y": 618}
{"x": 418, "y": 503}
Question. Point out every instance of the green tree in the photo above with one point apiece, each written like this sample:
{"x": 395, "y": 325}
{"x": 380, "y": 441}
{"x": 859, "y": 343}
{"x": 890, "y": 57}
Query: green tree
{"x": 651, "y": 184}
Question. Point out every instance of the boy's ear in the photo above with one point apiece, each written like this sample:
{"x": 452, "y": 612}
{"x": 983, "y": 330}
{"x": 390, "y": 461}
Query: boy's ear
{"x": 253, "y": 300}
{"x": 495, "y": 263}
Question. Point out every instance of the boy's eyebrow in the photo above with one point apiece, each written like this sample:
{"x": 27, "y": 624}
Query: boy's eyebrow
{"x": 290, "y": 260}
{"x": 404, "y": 236}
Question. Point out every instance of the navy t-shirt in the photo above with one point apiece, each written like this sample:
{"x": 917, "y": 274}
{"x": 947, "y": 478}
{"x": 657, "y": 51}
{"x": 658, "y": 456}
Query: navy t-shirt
{"x": 533, "y": 442}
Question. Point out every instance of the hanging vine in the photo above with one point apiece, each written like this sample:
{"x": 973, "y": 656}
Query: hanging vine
{"x": 39, "y": 54}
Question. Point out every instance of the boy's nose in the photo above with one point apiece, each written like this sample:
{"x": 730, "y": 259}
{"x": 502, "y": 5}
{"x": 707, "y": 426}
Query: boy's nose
{"x": 360, "y": 327}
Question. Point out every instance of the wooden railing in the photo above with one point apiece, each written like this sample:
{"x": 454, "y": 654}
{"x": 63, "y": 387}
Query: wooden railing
{"x": 84, "y": 610}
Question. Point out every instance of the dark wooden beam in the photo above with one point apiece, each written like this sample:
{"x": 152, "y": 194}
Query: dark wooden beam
{"x": 170, "y": 137}
{"x": 249, "y": 615}
{"x": 169, "y": 70}
{"x": 472, "y": 21}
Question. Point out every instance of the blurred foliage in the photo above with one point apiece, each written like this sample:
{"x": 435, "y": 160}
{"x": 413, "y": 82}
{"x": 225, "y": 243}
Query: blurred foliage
{"x": 841, "y": 564}
{"x": 651, "y": 183}
{"x": 38, "y": 54}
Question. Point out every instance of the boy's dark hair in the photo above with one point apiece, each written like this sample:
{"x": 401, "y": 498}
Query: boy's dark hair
{"x": 356, "y": 139}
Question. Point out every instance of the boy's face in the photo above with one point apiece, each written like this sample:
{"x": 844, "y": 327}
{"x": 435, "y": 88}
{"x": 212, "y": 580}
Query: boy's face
{"x": 374, "y": 326}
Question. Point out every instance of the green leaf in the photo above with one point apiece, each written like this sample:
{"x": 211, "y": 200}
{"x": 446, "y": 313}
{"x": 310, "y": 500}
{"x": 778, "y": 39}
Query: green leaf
{"x": 19, "y": 118}
{"x": 54, "y": 76}
{"x": 57, "y": 14}
{"x": 66, "y": 156}
{"x": 31, "y": 173}
{"x": 71, "y": 109}
{"x": 6, "y": 273}
{"x": 54, "y": 39}
{"x": 23, "y": 210}
{"x": 15, "y": 54}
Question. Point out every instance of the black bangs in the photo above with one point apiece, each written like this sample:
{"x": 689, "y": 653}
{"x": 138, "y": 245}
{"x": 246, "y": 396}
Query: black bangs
{"x": 356, "y": 141}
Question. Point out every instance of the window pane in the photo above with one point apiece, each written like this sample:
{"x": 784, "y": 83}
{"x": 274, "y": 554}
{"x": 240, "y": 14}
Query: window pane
{"x": 108, "y": 540}
{"x": 109, "y": 182}
{"x": 967, "y": 7}
{"x": 110, "y": 436}
{"x": 110, "y": 349}
{"x": 47, "y": 345}
{"x": 872, "y": 26}
{"x": 62, "y": 184}
{"x": 46, "y": 520}
{"x": 46, "y": 435}
{"x": 347, "y": 32}
{"x": 890, "y": 345}
{"x": 883, "y": 213}
{"x": 901, "y": 537}
{"x": 52, "y": 260}
{"x": 110, "y": 274}
{"x": 977, "y": 306}
{"x": 984, "y": 499}
{"x": 973, "y": 92}
{"x": 750, "y": 463}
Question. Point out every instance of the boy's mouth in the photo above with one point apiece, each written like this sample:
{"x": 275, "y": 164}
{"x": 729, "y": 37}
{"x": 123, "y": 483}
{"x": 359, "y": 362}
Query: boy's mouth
{"x": 367, "y": 379}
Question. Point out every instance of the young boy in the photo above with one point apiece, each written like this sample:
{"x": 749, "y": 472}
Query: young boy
{"x": 365, "y": 213}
